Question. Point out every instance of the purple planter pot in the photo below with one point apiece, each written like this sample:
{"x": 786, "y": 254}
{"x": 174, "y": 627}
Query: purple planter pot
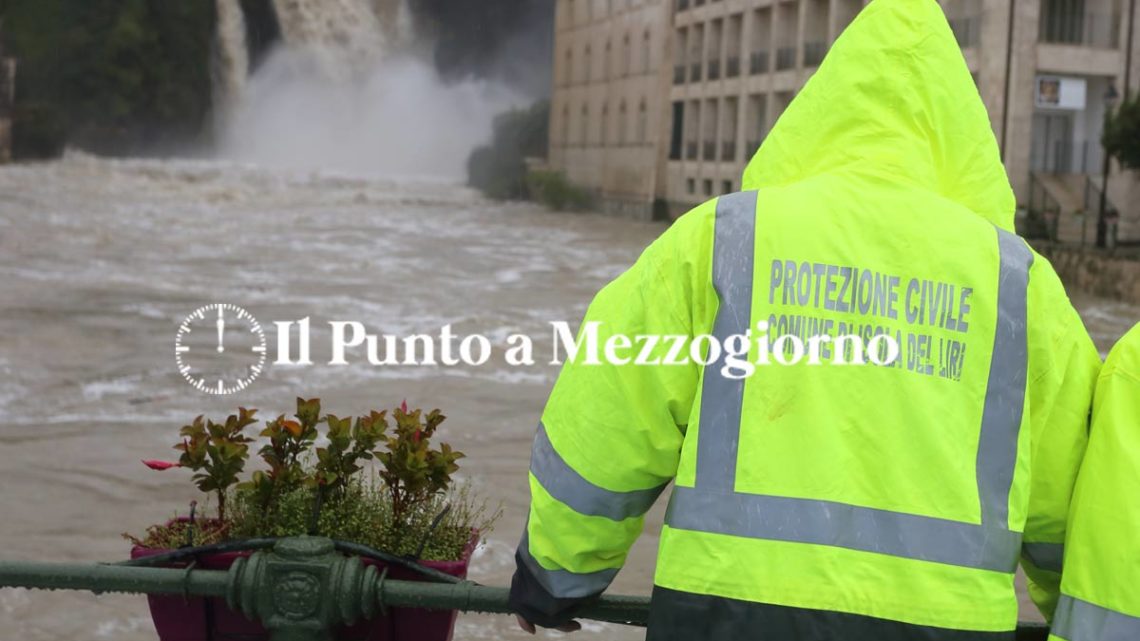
{"x": 209, "y": 619}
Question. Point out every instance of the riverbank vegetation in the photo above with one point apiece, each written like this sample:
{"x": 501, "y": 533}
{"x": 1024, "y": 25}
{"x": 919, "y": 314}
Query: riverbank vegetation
{"x": 509, "y": 168}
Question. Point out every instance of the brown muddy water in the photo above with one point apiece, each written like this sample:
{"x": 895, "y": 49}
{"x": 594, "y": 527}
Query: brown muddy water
{"x": 100, "y": 261}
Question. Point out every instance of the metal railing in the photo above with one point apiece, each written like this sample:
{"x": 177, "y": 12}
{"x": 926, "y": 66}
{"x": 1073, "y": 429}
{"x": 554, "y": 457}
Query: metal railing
{"x": 732, "y": 67}
{"x": 1075, "y": 26}
{"x": 814, "y": 53}
{"x": 302, "y": 588}
{"x": 758, "y": 62}
{"x": 785, "y": 58}
{"x": 1044, "y": 211}
{"x": 714, "y": 70}
{"x": 1065, "y": 157}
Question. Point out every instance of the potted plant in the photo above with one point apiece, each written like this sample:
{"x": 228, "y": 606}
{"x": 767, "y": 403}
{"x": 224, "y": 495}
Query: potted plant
{"x": 407, "y": 506}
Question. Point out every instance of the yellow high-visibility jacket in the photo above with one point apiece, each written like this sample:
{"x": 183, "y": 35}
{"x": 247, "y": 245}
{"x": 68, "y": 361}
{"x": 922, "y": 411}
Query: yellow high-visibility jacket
{"x": 1100, "y": 599}
{"x": 830, "y": 501}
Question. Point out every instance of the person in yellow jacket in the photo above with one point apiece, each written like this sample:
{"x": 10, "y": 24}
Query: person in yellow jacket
{"x": 1099, "y": 597}
{"x": 828, "y": 501}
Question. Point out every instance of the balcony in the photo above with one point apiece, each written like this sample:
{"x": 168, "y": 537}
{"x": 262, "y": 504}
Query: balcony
{"x": 714, "y": 70}
{"x": 709, "y": 150}
{"x": 813, "y": 53}
{"x": 679, "y": 74}
{"x": 732, "y": 67}
{"x": 758, "y": 62}
{"x": 695, "y": 72}
{"x": 728, "y": 151}
{"x": 1074, "y": 26}
{"x": 785, "y": 58}
{"x": 690, "y": 151}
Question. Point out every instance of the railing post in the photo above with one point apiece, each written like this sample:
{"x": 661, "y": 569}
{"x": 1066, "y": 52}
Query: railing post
{"x": 301, "y": 589}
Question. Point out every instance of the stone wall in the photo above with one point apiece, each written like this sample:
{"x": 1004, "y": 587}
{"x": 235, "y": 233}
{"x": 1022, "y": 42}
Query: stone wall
{"x": 1114, "y": 275}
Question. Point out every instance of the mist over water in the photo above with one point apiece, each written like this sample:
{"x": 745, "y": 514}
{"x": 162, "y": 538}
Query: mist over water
{"x": 350, "y": 89}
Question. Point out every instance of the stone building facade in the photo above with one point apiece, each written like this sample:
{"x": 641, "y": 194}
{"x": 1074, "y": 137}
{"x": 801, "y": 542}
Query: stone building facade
{"x": 715, "y": 75}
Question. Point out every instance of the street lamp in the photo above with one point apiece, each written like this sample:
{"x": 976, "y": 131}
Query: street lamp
{"x": 1110, "y": 98}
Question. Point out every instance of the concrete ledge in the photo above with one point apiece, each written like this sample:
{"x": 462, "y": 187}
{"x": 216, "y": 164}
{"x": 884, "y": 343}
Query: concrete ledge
{"x": 1109, "y": 274}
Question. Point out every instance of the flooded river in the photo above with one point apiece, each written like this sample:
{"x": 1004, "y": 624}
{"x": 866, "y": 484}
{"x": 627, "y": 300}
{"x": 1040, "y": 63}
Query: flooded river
{"x": 101, "y": 260}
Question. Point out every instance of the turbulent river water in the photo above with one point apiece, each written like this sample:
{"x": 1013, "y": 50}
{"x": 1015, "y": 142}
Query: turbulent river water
{"x": 101, "y": 260}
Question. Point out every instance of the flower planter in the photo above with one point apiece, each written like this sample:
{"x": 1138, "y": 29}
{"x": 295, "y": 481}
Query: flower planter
{"x": 209, "y": 619}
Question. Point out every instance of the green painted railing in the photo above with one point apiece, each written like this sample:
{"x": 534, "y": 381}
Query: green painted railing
{"x": 302, "y": 587}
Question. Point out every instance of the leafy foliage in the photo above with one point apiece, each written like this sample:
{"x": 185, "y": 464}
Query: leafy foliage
{"x": 553, "y": 190}
{"x": 1121, "y": 137}
{"x": 217, "y": 453}
{"x": 413, "y": 471}
{"x": 499, "y": 169}
{"x": 305, "y": 487}
{"x": 109, "y": 75}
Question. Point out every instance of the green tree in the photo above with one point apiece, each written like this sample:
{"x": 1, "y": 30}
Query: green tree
{"x": 1121, "y": 138}
{"x": 113, "y": 76}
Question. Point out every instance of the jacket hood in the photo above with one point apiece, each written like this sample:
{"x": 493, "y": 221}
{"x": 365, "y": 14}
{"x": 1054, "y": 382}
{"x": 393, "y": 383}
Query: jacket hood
{"x": 893, "y": 100}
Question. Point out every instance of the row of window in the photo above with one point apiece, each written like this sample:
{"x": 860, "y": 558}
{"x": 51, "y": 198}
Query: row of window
{"x": 707, "y": 187}
{"x": 575, "y": 13}
{"x": 586, "y": 131}
{"x": 724, "y": 46}
{"x": 585, "y": 72}
{"x": 707, "y": 130}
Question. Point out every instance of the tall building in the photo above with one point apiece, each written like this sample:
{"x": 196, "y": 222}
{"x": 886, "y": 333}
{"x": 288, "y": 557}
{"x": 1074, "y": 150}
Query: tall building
{"x": 1044, "y": 68}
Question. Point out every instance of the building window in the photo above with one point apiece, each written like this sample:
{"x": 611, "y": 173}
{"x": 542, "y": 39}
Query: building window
{"x": 708, "y": 187}
{"x": 568, "y": 71}
{"x": 621, "y": 124}
{"x": 584, "y": 131}
{"x": 605, "y": 124}
{"x": 566, "y": 125}
{"x": 606, "y": 61}
{"x": 586, "y": 66}
{"x": 726, "y": 187}
{"x": 642, "y": 123}
{"x": 691, "y": 185}
{"x": 646, "y": 51}
{"x": 625, "y": 56}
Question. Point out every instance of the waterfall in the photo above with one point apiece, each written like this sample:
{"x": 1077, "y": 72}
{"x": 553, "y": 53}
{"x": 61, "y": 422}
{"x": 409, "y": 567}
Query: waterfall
{"x": 349, "y": 88}
{"x": 232, "y": 56}
{"x": 346, "y": 35}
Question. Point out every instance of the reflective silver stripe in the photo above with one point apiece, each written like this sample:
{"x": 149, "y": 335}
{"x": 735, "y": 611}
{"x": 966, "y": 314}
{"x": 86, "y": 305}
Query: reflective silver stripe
{"x": 563, "y": 584}
{"x": 580, "y": 495}
{"x": 733, "y": 268}
{"x": 1005, "y": 391}
{"x": 1078, "y": 620}
{"x": 780, "y": 518}
{"x": 713, "y": 505}
{"x": 1045, "y": 556}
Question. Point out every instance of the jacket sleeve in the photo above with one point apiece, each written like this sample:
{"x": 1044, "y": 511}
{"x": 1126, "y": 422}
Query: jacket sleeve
{"x": 611, "y": 434}
{"x": 1102, "y": 553}
{"x": 1064, "y": 365}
